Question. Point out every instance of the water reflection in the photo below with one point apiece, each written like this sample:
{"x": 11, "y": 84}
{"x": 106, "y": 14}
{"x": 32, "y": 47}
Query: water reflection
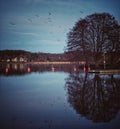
{"x": 96, "y": 97}
{"x": 40, "y": 101}
{"x": 22, "y": 69}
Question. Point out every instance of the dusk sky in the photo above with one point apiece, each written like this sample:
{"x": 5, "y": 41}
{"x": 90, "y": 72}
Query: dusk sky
{"x": 42, "y": 25}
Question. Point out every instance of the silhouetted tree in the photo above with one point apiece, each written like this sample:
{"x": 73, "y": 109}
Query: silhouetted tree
{"x": 93, "y": 34}
{"x": 77, "y": 38}
{"x": 114, "y": 42}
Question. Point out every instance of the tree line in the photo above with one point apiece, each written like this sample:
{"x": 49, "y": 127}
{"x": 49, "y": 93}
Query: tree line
{"x": 26, "y": 56}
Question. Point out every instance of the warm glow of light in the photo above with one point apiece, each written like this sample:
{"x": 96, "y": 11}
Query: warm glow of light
{"x": 75, "y": 69}
{"x": 88, "y": 68}
{"x": 84, "y": 69}
{"x": 28, "y": 69}
{"x": 52, "y": 69}
{"x": 6, "y": 70}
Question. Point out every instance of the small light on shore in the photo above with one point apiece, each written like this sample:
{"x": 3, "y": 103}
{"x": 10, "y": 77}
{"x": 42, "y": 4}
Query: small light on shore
{"x": 52, "y": 69}
{"x": 28, "y": 69}
{"x": 6, "y": 70}
{"x": 89, "y": 68}
{"x": 84, "y": 69}
{"x": 75, "y": 69}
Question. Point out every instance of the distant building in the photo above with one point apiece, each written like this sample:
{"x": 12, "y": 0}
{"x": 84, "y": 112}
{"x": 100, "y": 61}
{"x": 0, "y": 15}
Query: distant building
{"x": 15, "y": 59}
{"x": 8, "y": 60}
{"x": 19, "y": 59}
{"x": 22, "y": 59}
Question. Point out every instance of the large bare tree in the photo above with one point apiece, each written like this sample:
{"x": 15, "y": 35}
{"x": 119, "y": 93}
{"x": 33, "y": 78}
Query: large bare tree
{"x": 96, "y": 34}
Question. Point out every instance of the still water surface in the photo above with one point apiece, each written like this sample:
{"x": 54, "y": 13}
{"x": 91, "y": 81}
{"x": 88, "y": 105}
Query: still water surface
{"x": 63, "y": 97}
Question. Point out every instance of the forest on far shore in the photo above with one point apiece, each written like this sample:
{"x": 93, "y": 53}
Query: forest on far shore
{"x": 26, "y": 56}
{"x": 21, "y": 56}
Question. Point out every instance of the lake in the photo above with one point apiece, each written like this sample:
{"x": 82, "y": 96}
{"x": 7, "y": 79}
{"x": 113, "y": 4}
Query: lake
{"x": 57, "y": 97}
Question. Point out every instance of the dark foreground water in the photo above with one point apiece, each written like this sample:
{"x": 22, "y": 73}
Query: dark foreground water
{"x": 57, "y": 97}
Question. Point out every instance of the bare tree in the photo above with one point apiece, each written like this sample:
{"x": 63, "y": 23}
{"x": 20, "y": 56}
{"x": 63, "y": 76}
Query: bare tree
{"x": 93, "y": 34}
{"x": 77, "y": 38}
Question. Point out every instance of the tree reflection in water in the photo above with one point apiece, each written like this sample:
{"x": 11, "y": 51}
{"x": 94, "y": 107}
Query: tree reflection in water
{"x": 97, "y": 98}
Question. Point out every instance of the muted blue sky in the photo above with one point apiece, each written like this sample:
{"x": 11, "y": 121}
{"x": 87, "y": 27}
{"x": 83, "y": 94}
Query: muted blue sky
{"x": 42, "y": 25}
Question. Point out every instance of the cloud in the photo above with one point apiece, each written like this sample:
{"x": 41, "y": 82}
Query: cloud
{"x": 36, "y": 1}
{"x": 26, "y": 33}
{"x": 29, "y": 33}
{"x": 58, "y": 2}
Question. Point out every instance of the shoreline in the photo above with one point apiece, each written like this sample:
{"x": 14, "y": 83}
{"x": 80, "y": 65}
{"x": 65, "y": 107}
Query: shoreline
{"x": 108, "y": 71}
{"x": 45, "y": 63}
